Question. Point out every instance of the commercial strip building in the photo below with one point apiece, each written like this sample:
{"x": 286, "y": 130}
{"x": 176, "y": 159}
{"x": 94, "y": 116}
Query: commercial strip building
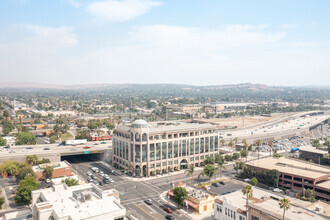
{"x": 61, "y": 169}
{"x": 297, "y": 175}
{"x": 199, "y": 200}
{"x": 85, "y": 201}
{"x": 262, "y": 206}
{"x": 146, "y": 149}
{"x": 312, "y": 153}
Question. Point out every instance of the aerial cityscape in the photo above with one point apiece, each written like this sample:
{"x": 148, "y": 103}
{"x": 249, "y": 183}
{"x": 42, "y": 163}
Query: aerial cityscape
{"x": 152, "y": 109}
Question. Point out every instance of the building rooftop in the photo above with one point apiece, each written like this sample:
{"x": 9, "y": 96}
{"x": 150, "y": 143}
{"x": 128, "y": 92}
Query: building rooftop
{"x": 313, "y": 150}
{"x": 269, "y": 203}
{"x": 291, "y": 166}
{"x": 79, "y": 202}
{"x": 56, "y": 165}
{"x": 160, "y": 127}
{"x": 324, "y": 184}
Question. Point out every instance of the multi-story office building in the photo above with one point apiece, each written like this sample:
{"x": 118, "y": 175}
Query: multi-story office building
{"x": 147, "y": 149}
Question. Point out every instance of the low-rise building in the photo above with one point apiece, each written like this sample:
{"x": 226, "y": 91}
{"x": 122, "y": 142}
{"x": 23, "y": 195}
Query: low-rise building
{"x": 198, "y": 199}
{"x": 312, "y": 153}
{"x": 86, "y": 201}
{"x": 297, "y": 175}
{"x": 263, "y": 205}
{"x": 61, "y": 169}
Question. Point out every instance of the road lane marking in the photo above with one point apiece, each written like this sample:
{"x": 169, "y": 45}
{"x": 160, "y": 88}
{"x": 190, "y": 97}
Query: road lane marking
{"x": 145, "y": 212}
{"x": 152, "y": 211}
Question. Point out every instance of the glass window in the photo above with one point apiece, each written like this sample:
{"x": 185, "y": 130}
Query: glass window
{"x": 126, "y": 153}
{"x": 158, "y": 146}
{"x": 164, "y": 150}
{"x": 196, "y": 158}
{"x": 202, "y": 157}
{"x": 144, "y": 153}
{"x": 164, "y": 164}
{"x": 163, "y": 136}
{"x": 176, "y": 151}
{"x": 137, "y": 137}
{"x": 169, "y": 146}
{"x": 144, "y": 137}
{"x": 152, "y": 165}
{"x": 192, "y": 146}
{"x": 158, "y": 165}
{"x": 121, "y": 149}
{"x": 137, "y": 153}
{"x": 196, "y": 145}
{"x": 201, "y": 149}
{"x": 132, "y": 136}
{"x": 184, "y": 148}
{"x": 151, "y": 137}
{"x": 226, "y": 211}
{"x": 132, "y": 152}
{"x": 169, "y": 162}
{"x": 156, "y": 137}
{"x": 216, "y": 144}
{"x": 175, "y": 162}
{"x": 206, "y": 144}
{"x": 211, "y": 144}
{"x": 152, "y": 152}
{"x": 169, "y": 136}
{"x": 175, "y": 135}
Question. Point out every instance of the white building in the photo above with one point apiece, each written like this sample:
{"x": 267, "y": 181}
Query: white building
{"x": 263, "y": 205}
{"x": 85, "y": 201}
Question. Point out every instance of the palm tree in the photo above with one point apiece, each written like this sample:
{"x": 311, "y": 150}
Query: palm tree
{"x": 231, "y": 144}
{"x": 218, "y": 169}
{"x": 285, "y": 205}
{"x": 248, "y": 192}
{"x": 223, "y": 141}
{"x": 270, "y": 144}
{"x": 190, "y": 172}
{"x": 235, "y": 140}
{"x": 259, "y": 144}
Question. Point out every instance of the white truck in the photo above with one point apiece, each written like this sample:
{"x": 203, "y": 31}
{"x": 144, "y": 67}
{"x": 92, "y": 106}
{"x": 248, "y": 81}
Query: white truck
{"x": 78, "y": 141}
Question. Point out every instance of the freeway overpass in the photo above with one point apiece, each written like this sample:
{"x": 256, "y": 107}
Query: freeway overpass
{"x": 56, "y": 153}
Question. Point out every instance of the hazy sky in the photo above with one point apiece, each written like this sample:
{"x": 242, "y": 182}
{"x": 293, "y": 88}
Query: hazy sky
{"x": 199, "y": 42}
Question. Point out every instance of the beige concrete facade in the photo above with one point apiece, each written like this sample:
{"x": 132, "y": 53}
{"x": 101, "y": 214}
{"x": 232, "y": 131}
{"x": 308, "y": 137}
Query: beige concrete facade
{"x": 147, "y": 149}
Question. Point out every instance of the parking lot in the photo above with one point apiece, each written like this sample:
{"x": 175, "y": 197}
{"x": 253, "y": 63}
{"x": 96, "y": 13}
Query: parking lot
{"x": 230, "y": 186}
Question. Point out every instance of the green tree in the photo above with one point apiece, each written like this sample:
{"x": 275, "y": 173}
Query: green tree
{"x": 244, "y": 153}
{"x": 24, "y": 170}
{"x": 25, "y": 187}
{"x": 316, "y": 143}
{"x": 253, "y": 181}
{"x": 32, "y": 159}
{"x": 236, "y": 166}
{"x": 180, "y": 194}
{"x": 190, "y": 172}
{"x": 71, "y": 182}
{"x": 228, "y": 157}
{"x": 285, "y": 205}
{"x": 209, "y": 160}
{"x": 6, "y": 114}
{"x": 10, "y": 167}
{"x": 52, "y": 140}
{"x": 236, "y": 156}
{"x": 208, "y": 171}
{"x": 44, "y": 160}
{"x": 2, "y": 201}
{"x": 7, "y": 127}
{"x": 3, "y": 141}
{"x": 248, "y": 192}
{"x": 24, "y": 138}
{"x": 48, "y": 171}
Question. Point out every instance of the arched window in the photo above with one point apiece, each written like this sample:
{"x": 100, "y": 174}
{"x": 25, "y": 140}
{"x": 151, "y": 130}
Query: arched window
{"x": 132, "y": 136}
{"x": 137, "y": 137}
{"x": 144, "y": 137}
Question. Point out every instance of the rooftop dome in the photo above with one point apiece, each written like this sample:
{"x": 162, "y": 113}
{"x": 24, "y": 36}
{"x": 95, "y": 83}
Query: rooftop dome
{"x": 140, "y": 124}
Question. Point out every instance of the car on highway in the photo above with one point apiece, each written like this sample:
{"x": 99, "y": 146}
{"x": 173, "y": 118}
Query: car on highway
{"x": 46, "y": 148}
{"x": 73, "y": 149}
{"x": 25, "y": 150}
{"x": 103, "y": 142}
{"x": 216, "y": 184}
{"x": 12, "y": 151}
{"x": 29, "y": 148}
{"x": 168, "y": 209}
{"x": 148, "y": 201}
{"x": 169, "y": 217}
{"x": 86, "y": 147}
{"x": 7, "y": 147}
{"x": 96, "y": 144}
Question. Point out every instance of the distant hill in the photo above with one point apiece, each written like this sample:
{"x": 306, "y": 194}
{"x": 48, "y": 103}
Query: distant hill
{"x": 249, "y": 86}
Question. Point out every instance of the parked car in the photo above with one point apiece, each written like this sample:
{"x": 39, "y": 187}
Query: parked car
{"x": 222, "y": 183}
{"x": 101, "y": 183}
{"x": 47, "y": 180}
{"x": 168, "y": 209}
{"x": 216, "y": 184}
{"x": 101, "y": 173}
{"x": 94, "y": 177}
{"x": 106, "y": 181}
{"x": 111, "y": 180}
{"x": 89, "y": 173}
{"x": 247, "y": 180}
{"x": 86, "y": 147}
{"x": 90, "y": 179}
{"x": 148, "y": 201}
{"x": 96, "y": 182}
{"x": 169, "y": 217}
{"x": 278, "y": 190}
